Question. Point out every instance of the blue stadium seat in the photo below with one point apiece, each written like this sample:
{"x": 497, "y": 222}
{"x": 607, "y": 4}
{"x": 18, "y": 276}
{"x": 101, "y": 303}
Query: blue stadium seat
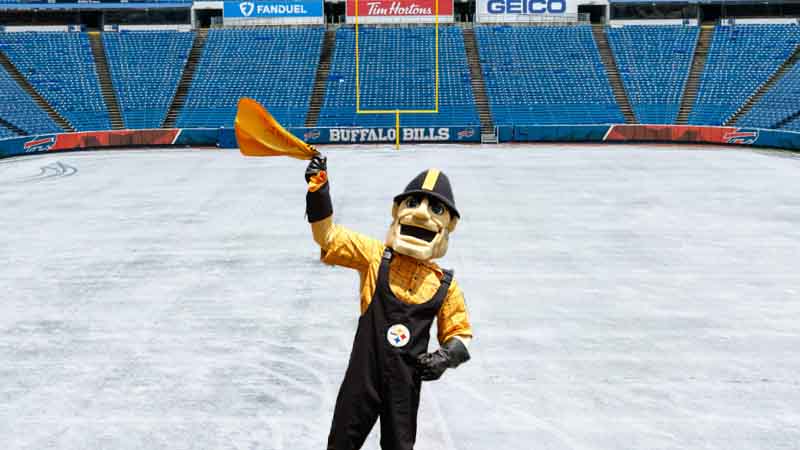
{"x": 792, "y": 125}
{"x": 6, "y": 133}
{"x": 60, "y": 66}
{"x": 17, "y": 107}
{"x": 741, "y": 58}
{"x": 397, "y": 71}
{"x": 777, "y": 104}
{"x": 275, "y": 66}
{"x": 654, "y": 63}
{"x": 545, "y": 75}
{"x": 145, "y": 69}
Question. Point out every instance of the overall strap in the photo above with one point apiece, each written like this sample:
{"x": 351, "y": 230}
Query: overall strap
{"x": 383, "y": 271}
{"x": 444, "y": 285}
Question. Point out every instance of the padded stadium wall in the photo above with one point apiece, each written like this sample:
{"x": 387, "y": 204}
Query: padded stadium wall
{"x": 224, "y": 137}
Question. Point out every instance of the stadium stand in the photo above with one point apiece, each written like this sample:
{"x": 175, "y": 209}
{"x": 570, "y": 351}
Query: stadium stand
{"x": 397, "y": 71}
{"x": 61, "y": 68}
{"x": 17, "y": 107}
{"x": 545, "y": 75}
{"x": 777, "y": 104}
{"x": 6, "y": 133}
{"x": 145, "y": 69}
{"x": 740, "y": 59}
{"x": 792, "y": 125}
{"x": 275, "y": 66}
{"x": 654, "y": 63}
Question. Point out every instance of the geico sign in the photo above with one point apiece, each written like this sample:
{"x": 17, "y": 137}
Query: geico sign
{"x": 526, "y": 6}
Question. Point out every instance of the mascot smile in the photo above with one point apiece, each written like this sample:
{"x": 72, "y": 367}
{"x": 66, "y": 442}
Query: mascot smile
{"x": 423, "y": 217}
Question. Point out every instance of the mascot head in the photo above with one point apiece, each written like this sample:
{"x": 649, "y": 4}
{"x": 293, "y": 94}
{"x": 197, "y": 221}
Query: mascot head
{"x": 423, "y": 217}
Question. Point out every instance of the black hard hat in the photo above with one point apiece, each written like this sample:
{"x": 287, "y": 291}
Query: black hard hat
{"x": 433, "y": 183}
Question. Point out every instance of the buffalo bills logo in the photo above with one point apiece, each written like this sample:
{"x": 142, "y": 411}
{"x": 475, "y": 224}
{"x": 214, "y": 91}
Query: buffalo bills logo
{"x": 398, "y": 335}
{"x": 311, "y": 134}
{"x": 466, "y": 134}
{"x": 741, "y": 136}
{"x": 41, "y": 144}
{"x": 247, "y": 8}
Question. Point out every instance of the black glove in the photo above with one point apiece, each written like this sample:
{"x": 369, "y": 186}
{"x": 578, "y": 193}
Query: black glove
{"x": 432, "y": 365}
{"x": 318, "y": 203}
{"x": 318, "y": 164}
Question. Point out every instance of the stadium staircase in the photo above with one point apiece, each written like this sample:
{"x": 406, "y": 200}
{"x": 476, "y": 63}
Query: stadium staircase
{"x": 764, "y": 88}
{"x": 479, "y": 87}
{"x": 321, "y": 79}
{"x": 17, "y": 76}
{"x": 783, "y": 122}
{"x": 612, "y": 71}
{"x": 106, "y": 86}
{"x": 13, "y": 127}
{"x": 693, "y": 81}
{"x": 186, "y": 78}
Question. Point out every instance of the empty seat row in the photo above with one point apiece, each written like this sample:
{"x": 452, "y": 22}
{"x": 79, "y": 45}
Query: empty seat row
{"x": 145, "y": 70}
{"x": 741, "y": 58}
{"x": 398, "y": 71}
{"x": 60, "y": 66}
{"x": 275, "y": 66}
{"x": 653, "y": 63}
{"x": 545, "y": 75}
{"x": 18, "y": 108}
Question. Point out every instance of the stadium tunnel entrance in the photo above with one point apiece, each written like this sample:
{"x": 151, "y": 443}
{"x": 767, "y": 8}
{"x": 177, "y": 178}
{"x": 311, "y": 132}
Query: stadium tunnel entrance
{"x": 596, "y": 13}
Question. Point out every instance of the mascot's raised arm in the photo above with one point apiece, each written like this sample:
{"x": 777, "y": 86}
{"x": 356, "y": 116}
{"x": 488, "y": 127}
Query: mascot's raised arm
{"x": 402, "y": 290}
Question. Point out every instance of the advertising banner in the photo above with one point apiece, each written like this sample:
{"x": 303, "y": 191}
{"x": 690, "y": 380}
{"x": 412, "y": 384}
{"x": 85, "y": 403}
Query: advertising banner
{"x": 273, "y": 12}
{"x": 523, "y": 11}
{"x": 88, "y": 140}
{"x": 399, "y": 11}
{"x": 359, "y": 135}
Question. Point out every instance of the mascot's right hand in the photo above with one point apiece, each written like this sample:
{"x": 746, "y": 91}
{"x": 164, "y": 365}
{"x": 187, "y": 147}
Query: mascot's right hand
{"x": 318, "y": 197}
{"x": 317, "y": 171}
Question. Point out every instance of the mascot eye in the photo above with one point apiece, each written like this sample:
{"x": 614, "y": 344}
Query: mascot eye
{"x": 437, "y": 208}
{"x": 412, "y": 202}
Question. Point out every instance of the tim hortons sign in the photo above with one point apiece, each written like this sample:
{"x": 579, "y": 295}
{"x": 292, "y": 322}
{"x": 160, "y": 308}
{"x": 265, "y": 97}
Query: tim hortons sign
{"x": 399, "y": 11}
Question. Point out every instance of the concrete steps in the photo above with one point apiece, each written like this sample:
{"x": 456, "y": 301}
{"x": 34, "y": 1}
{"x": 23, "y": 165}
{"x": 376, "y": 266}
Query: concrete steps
{"x": 764, "y": 88}
{"x": 17, "y": 76}
{"x": 693, "y": 80}
{"x": 186, "y": 79}
{"x": 106, "y": 85}
{"x": 13, "y": 127}
{"x": 478, "y": 86}
{"x": 612, "y": 71}
{"x": 321, "y": 79}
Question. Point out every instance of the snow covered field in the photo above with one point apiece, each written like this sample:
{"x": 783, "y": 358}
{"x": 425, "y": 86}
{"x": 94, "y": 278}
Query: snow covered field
{"x": 623, "y": 297}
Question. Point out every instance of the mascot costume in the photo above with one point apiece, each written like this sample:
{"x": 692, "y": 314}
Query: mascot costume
{"x": 401, "y": 291}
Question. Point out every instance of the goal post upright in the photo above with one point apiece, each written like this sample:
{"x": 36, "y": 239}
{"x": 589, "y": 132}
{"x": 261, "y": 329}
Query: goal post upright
{"x": 398, "y": 112}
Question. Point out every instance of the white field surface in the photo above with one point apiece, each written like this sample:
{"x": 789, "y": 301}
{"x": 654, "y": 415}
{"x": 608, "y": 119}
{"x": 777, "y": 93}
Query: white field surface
{"x": 623, "y": 297}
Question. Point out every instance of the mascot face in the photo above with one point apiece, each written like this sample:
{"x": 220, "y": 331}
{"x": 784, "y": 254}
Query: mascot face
{"x": 421, "y": 227}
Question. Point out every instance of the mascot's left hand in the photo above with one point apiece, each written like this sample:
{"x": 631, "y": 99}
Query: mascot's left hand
{"x": 432, "y": 365}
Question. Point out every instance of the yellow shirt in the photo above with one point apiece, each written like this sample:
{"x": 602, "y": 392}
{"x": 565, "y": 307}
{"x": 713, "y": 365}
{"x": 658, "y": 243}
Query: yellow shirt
{"x": 411, "y": 280}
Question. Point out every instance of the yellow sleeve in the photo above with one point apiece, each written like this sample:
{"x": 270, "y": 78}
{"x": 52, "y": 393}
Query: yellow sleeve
{"x": 350, "y": 249}
{"x": 453, "y": 319}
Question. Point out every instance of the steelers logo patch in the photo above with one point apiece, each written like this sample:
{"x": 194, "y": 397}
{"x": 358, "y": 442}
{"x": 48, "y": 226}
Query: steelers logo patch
{"x": 398, "y": 335}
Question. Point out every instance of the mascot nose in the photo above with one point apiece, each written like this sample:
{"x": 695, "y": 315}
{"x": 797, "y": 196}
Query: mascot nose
{"x": 421, "y": 211}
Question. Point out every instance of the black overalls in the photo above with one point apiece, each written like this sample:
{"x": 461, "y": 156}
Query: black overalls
{"x": 381, "y": 378}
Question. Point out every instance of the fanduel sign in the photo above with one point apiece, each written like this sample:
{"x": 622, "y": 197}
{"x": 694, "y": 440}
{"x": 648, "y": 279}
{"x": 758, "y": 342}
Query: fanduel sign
{"x": 276, "y": 9}
{"x": 524, "y": 10}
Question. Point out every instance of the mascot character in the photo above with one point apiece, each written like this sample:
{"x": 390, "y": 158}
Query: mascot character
{"x": 402, "y": 291}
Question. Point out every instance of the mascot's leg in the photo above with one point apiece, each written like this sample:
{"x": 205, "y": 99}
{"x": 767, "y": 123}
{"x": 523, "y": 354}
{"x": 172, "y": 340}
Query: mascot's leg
{"x": 357, "y": 407}
{"x": 399, "y": 412}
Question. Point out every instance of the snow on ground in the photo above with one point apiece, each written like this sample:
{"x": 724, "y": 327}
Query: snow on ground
{"x": 624, "y": 297}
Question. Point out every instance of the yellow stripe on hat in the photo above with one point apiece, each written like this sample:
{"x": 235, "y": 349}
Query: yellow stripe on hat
{"x": 430, "y": 179}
